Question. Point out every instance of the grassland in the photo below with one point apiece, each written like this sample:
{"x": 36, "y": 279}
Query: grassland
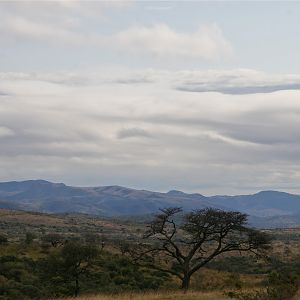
{"x": 227, "y": 273}
{"x": 164, "y": 296}
{"x": 158, "y": 296}
{"x": 15, "y": 224}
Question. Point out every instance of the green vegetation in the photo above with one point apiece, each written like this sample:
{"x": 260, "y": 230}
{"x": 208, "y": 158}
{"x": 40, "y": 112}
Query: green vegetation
{"x": 48, "y": 256}
{"x": 71, "y": 269}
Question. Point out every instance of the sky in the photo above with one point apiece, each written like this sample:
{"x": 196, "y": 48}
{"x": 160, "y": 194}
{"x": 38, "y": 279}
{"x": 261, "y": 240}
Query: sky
{"x": 159, "y": 95}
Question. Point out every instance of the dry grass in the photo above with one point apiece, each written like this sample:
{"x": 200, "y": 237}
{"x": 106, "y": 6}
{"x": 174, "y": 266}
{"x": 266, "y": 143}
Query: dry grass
{"x": 41, "y": 219}
{"x": 158, "y": 296}
{"x": 30, "y": 218}
{"x": 297, "y": 296}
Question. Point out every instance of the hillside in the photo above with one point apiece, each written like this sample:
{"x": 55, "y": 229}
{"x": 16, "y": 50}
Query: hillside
{"x": 266, "y": 208}
{"x": 15, "y": 224}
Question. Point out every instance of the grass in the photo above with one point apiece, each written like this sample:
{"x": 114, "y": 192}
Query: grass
{"x": 14, "y": 224}
{"x": 157, "y": 296}
{"x": 297, "y": 296}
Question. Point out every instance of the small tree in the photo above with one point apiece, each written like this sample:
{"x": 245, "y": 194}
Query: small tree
{"x": 92, "y": 238}
{"x": 184, "y": 246}
{"x": 3, "y": 239}
{"x": 55, "y": 239}
{"x": 69, "y": 264}
{"x": 29, "y": 237}
{"x": 76, "y": 260}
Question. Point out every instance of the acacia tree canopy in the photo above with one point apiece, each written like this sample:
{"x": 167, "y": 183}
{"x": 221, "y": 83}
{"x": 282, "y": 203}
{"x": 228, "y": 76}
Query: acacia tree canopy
{"x": 183, "y": 243}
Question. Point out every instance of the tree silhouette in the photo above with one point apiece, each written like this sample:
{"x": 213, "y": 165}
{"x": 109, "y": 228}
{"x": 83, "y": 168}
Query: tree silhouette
{"x": 180, "y": 244}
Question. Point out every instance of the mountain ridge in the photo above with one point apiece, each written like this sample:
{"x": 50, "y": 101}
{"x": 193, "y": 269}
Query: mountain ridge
{"x": 113, "y": 200}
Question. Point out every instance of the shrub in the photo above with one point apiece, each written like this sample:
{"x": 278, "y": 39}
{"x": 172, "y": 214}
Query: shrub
{"x": 3, "y": 239}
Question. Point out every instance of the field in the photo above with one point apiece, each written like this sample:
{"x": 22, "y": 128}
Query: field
{"x": 164, "y": 296}
{"x": 27, "y": 255}
{"x": 15, "y": 224}
{"x": 159, "y": 296}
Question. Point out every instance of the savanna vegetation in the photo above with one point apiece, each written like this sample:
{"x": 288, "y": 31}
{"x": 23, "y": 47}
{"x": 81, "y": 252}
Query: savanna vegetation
{"x": 56, "y": 256}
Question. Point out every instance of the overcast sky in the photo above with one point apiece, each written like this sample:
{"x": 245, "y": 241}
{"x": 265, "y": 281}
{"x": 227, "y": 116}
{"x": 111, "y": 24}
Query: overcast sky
{"x": 196, "y": 96}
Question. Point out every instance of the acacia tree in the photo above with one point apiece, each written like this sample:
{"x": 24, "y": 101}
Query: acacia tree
{"x": 70, "y": 263}
{"x": 77, "y": 259}
{"x": 182, "y": 247}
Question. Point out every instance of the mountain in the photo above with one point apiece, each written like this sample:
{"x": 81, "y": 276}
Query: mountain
{"x": 266, "y": 207}
{"x": 44, "y": 196}
{"x": 262, "y": 204}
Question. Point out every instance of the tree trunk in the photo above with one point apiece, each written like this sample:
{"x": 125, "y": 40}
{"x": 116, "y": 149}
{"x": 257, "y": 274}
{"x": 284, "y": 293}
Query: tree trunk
{"x": 76, "y": 286}
{"x": 185, "y": 283}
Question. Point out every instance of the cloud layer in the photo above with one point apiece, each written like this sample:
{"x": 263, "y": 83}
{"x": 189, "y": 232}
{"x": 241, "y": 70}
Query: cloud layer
{"x": 208, "y": 42}
{"x": 57, "y": 23}
{"x": 138, "y": 129}
{"x": 79, "y": 104}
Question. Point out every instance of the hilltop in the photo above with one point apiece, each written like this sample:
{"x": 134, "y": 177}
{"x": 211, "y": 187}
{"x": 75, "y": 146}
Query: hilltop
{"x": 265, "y": 208}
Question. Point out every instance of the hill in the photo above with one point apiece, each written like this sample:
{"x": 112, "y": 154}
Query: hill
{"x": 266, "y": 208}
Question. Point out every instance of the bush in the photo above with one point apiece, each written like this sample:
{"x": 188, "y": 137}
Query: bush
{"x": 280, "y": 286}
{"x": 29, "y": 237}
{"x": 3, "y": 239}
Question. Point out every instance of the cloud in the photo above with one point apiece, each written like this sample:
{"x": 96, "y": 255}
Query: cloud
{"x": 158, "y": 7}
{"x": 239, "y": 82}
{"x": 62, "y": 23}
{"x": 64, "y": 78}
{"x": 24, "y": 28}
{"x": 149, "y": 132}
{"x": 231, "y": 82}
{"x": 63, "y": 10}
{"x": 58, "y": 23}
{"x": 5, "y": 132}
{"x": 208, "y": 42}
{"x": 210, "y": 131}
{"x": 241, "y": 90}
{"x": 133, "y": 132}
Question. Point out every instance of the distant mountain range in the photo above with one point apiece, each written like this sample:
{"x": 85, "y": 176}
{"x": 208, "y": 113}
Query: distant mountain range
{"x": 265, "y": 209}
